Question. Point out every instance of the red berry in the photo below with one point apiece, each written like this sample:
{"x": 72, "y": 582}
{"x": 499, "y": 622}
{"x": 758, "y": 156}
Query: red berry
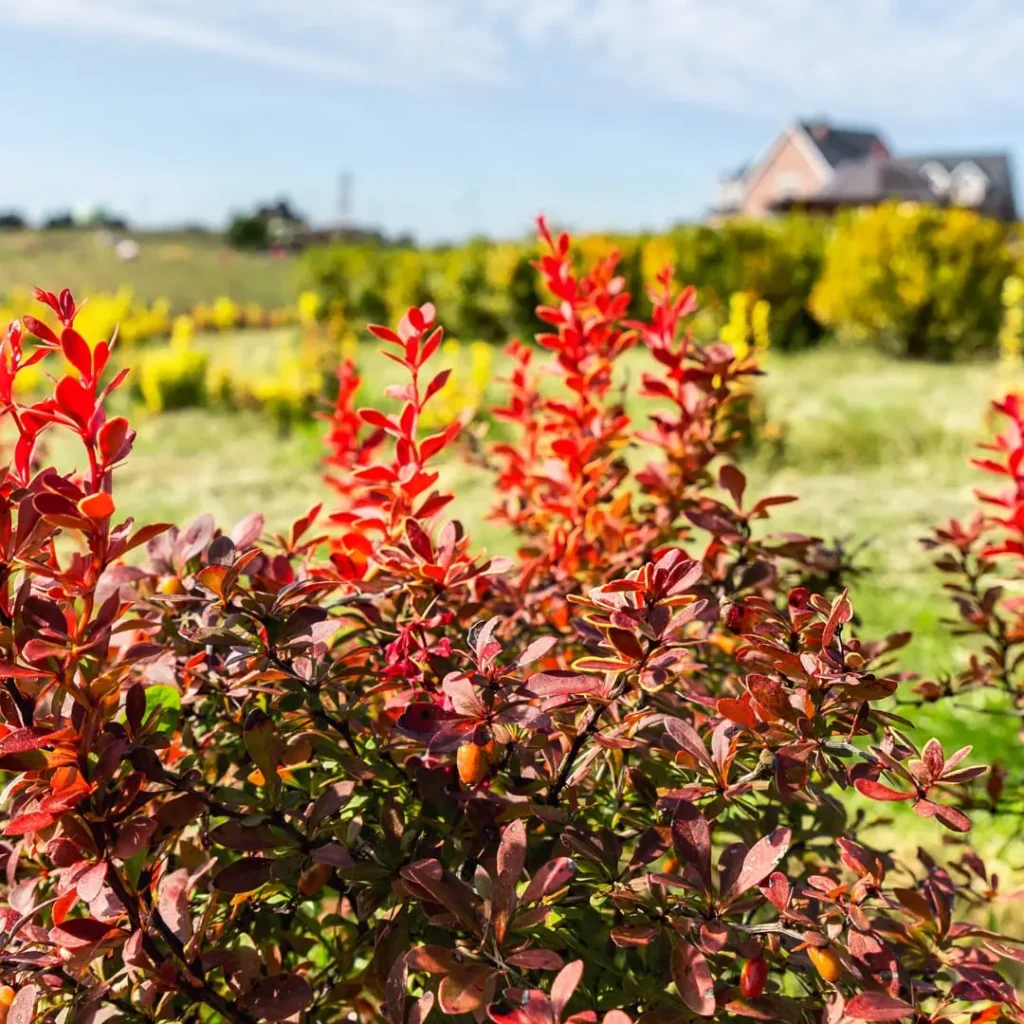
{"x": 753, "y": 977}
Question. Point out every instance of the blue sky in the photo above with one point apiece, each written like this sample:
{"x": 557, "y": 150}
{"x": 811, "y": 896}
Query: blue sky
{"x": 463, "y": 116}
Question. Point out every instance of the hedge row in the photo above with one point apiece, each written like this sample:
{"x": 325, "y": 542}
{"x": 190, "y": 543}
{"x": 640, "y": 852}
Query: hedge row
{"x": 916, "y": 281}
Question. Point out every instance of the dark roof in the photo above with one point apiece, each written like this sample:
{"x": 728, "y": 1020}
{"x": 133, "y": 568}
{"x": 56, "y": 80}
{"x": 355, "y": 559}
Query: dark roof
{"x": 999, "y": 195}
{"x": 876, "y": 179}
{"x": 842, "y": 145}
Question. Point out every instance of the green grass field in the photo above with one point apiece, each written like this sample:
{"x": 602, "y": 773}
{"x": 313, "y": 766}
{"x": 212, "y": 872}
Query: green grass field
{"x": 186, "y": 268}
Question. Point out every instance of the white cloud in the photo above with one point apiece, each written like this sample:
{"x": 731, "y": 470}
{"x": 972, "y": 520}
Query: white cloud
{"x": 869, "y": 58}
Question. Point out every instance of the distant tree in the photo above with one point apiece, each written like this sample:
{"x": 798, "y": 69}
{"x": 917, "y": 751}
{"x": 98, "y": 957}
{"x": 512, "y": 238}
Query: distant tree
{"x": 248, "y": 232}
{"x": 11, "y": 220}
{"x": 60, "y": 219}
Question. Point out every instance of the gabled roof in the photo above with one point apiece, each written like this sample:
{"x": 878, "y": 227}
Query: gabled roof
{"x": 864, "y": 182}
{"x": 841, "y": 145}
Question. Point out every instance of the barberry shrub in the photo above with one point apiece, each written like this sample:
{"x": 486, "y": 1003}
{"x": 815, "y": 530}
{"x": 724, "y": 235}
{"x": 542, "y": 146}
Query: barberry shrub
{"x": 982, "y": 560}
{"x": 358, "y": 771}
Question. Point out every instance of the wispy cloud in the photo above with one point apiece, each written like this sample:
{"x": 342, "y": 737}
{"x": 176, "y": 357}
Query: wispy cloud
{"x": 928, "y": 58}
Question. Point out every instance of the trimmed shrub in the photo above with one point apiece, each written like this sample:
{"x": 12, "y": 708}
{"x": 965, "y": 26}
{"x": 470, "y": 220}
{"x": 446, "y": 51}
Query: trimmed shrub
{"x": 915, "y": 281}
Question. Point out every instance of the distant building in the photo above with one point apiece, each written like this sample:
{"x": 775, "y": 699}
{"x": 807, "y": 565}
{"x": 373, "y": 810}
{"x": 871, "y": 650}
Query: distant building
{"x": 816, "y": 166}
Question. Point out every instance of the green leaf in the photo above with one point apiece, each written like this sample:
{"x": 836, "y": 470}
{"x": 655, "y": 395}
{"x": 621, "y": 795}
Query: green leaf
{"x": 164, "y": 702}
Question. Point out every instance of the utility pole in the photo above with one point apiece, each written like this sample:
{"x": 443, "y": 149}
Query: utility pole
{"x": 345, "y": 200}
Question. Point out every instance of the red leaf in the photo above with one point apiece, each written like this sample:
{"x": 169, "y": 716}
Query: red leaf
{"x": 20, "y": 741}
{"x": 760, "y": 861}
{"x": 80, "y": 933}
{"x": 549, "y": 878}
{"x": 510, "y": 863}
{"x": 634, "y": 935}
{"x": 536, "y": 960}
{"x": 436, "y": 384}
{"x": 878, "y": 1006}
{"x": 39, "y": 330}
{"x": 953, "y": 819}
{"x": 771, "y": 695}
{"x": 278, "y": 997}
{"x": 419, "y": 540}
{"x": 841, "y": 613}
{"x": 739, "y": 711}
{"x": 691, "y": 839}
{"x": 376, "y": 418}
{"x": 561, "y": 684}
{"x": 688, "y": 738}
{"x": 77, "y": 351}
{"x": 75, "y": 400}
{"x": 466, "y": 989}
{"x": 564, "y": 985}
{"x": 23, "y": 1006}
{"x": 114, "y": 440}
{"x": 732, "y": 480}
{"x": 172, "y": 903}
{"x": 244, "y": 875}
{"x": 432, "y": 959}
{"x": 536, "y": 650}
{"x": 874, "y": 790}
{"x": 693, "y": 979}
{"x": 28, "y": 824}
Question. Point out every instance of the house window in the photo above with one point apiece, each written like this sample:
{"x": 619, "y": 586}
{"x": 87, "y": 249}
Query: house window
{"x": 937, "y": 176}
{"x": 968, "y": 184}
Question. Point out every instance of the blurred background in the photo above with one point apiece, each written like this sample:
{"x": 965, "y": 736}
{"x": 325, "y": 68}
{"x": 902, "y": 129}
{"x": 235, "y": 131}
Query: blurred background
{"x": 241, "y": 186}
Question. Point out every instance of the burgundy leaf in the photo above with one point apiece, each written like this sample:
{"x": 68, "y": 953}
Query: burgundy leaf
{"x": 510, "y": 862}
{"x": 691, "y": 839}
{"x": 760, "y": 861}
{"x": 536, "y": 960}
{"x": 878, "y": 1006}
{"x": 172, "y": 903}
{"x": 550, "y": 877}
{"x": 688, "y": 738}
{"x": 244, "y": 875}
{"x": 278, "y": 997}
{"x": 693, "y": 979}
{"x": 467, "y": 989}
{"x": 564, "y": 985}
{"x": 876, "y": 791}
{"x": 23, "y": 1007}
{"x": 561, "y": 684}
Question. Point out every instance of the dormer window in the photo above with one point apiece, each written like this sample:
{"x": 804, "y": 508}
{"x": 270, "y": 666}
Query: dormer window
{"x": 968, "y": 184}
{"x": 938, "y": 178}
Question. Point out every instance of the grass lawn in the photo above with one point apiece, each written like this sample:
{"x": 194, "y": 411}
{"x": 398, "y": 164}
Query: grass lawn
{"x": 186, "y": 268}
{"x": 875, "y": 449}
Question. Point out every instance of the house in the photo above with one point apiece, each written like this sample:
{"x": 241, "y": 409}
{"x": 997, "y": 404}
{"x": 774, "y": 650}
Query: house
{"x": 816, "y": 166}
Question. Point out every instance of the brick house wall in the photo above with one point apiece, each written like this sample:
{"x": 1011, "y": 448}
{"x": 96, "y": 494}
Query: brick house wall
{"x": 792, "y": 170}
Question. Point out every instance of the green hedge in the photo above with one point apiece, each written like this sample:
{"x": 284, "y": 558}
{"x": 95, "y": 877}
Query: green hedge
{"x": 918, "y": 281}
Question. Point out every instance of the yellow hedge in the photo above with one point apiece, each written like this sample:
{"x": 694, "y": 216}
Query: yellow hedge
{"x": 915, "y": 280}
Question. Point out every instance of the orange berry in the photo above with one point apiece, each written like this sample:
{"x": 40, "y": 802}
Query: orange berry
{"x": 170, "y": 585}
{"x": 312, "y": 880}
{"x": 671, "y": 866}
{"x": 826, "y": 961}
{"x": 473, "y": 763}
{"x": 7, "y": 995}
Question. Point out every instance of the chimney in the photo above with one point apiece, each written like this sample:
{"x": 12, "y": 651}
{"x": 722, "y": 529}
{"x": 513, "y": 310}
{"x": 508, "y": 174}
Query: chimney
{"x": 818, "y": 130}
